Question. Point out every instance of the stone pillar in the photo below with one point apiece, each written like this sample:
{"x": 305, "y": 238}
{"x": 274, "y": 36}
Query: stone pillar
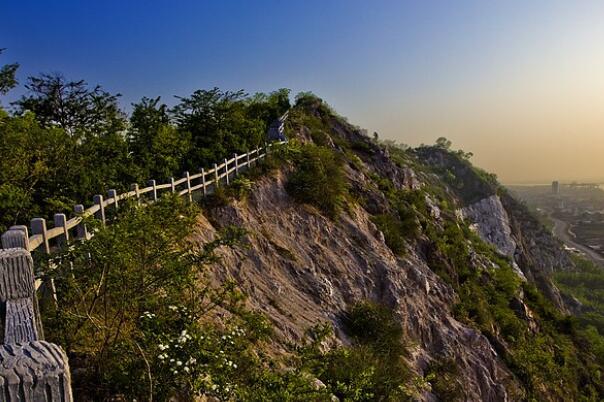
{"x": 31, "y": 370}
{"x": 16, "y": 237}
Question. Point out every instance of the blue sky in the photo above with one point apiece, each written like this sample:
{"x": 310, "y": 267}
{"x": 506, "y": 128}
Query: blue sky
{"x": 498, "y": 78}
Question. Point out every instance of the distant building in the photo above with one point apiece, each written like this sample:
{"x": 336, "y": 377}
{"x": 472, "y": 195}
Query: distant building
{"x": 555, "y": 187}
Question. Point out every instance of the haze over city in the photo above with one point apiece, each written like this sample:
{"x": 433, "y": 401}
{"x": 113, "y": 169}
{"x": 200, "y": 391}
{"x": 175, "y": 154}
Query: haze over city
{"x": 519, "y": 84}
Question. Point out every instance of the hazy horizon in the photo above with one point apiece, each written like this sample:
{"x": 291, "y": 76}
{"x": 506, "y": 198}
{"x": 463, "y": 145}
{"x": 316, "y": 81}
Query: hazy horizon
{"x": 519, "y": 84}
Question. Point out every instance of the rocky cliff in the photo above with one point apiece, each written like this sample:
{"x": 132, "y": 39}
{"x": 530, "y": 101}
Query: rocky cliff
{"x": 301, "y": 267}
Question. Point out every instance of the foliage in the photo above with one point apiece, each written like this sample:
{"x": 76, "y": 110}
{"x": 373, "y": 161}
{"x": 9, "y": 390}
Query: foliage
{"x": 222, "y": 122}
{"x": 586, "y": 283}
{"x": 69, "y": 141}
{"x": 72, "y": 105}
{"x": 138, "y": 319}
{"x": 442, "y": 142}
{"x": 318, "y": 179}
{"x": 7, "y": 76}
{"x": 373, "y": 367}
{"x": 553, "y": 359}
{"x": 443, "y": 375}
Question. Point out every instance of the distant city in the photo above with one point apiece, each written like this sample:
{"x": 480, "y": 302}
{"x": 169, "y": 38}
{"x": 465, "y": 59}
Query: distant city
{"x": 574, "y": 211}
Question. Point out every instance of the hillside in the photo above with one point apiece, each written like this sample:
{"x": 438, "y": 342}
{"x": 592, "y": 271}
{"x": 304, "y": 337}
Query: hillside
{"x": 341, "y": 266}
{"x": 405, "y": 238}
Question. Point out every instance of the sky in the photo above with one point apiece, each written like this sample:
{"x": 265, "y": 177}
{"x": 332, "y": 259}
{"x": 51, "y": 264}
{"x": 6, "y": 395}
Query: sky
{"x": 518, "y": 83}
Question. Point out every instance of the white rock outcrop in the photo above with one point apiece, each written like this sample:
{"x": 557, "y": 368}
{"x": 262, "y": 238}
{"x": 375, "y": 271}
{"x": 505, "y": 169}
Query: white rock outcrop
{"x": 490, "y": 220}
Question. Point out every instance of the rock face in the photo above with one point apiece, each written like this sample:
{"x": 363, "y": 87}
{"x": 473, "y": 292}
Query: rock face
{"x": 301, "y": 268}
{"x": 492, "y": 223}
{"x": 504, "y": 222}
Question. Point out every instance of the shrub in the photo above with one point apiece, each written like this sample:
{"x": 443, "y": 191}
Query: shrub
{"x": 373, "y": 367}
{"x": 319, "y": 179}
{"x": 392, "y": 229}
{"x": 443, "y": 375}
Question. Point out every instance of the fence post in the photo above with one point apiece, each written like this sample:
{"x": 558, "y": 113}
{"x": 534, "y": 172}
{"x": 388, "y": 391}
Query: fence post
{"x": 216, "y": 184}
{"x": 98, "y": 200}
{"x": 247, "y": 158}
{"x": 112, "y": 194}
{"x": 16, "y": 237}
{"x": 188, "y": 176}
{"x": 172, "y": 184}
{"x": 38, "y": 226}
{"x": 226, "y": 170}
{"x": 61, "y": 222}
{"x": 153, "y": 184}
{"x": 32, "y": 369}
{"x": 236, "y": 165}
{"x": 81, "y": 229}
{"x": 203, "y": 181}
{"x": 134, "y": 187}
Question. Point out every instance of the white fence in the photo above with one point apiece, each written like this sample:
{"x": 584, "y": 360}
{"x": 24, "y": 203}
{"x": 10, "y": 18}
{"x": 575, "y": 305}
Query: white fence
{"x": 64, "y": 230}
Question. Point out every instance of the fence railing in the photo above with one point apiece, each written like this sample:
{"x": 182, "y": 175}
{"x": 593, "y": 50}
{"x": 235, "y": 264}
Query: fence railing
{"x": 65, "y": 230}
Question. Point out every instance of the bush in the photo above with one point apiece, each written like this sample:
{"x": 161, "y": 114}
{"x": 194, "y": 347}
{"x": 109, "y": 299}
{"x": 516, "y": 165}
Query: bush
{"x": 319, "y": 179}
{"x": 392, "y": 229}
{"x": 373, "y": 367}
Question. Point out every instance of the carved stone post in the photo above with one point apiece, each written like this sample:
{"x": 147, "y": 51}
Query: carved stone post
{"x": 61, "y": 222}
{"x": 153, "y": 184}
{"x": 38, "y": 227}
{"x": 31, "y": 370}
{"x": 112, "y": 194}
{"x": 16, "y": 237}
{"x": 98, "y": 200}
{"x": 188, "y": 177}
{"x": 81, "y": 229}
{"x": 226, "y": 170}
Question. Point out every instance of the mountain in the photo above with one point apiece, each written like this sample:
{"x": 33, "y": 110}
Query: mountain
{"x": 337, "y": 267}
{"x": 466, "y": 269}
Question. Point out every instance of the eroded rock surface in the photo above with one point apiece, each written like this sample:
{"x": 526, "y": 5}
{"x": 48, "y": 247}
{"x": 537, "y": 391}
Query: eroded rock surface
{"x": 301, "y": 268}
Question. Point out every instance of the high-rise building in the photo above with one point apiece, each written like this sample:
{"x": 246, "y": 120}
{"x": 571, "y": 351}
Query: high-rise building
{"x": 555, "y": 187}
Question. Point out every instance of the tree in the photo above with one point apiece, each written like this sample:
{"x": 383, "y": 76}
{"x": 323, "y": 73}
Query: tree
{"x": 220, "y": 124}
{"x": 7, "y": 76}
{"x": 72, "y": 105}
{"x": 156, "y": 145}
{"x": 443, "y": 143}
{"x": 269, "y": 107}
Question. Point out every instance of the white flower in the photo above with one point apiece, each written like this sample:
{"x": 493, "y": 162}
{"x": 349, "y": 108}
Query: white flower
{"x": 179, "y": 363}
{"x": 186, "y": 369}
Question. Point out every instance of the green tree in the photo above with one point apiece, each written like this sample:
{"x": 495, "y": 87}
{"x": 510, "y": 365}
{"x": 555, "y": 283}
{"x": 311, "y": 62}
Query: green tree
{"x": 442, "y": 142}
{"x": 72, "y": 105}
{"x": 7, "y": 76}
{"x": 219, "y": 123}
{"x": 155, "y": 143}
